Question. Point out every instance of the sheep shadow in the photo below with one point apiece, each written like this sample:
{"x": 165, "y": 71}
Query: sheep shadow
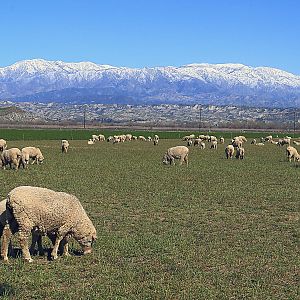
{"x": 6, "y": 290}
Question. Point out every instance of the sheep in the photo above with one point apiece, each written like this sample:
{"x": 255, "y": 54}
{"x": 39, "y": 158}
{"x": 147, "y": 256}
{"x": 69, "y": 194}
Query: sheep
{"x": 155, "y": 140}
{"x": 253, "y": 142}
{"x": 95, "y": 137}
{"x": 134, "y": 138}
{"x": 64, "y": 146}
{"x": 212, "y": 139}
{"x": 268, "y": 138}
{"x": 149, "y": 139}
{"x": 240, "y": 153}
{"x": 214, "y": 145}
{"x": 237, "y": 143}
{"x": 110, "y": 138}
{"x": 178, "y": 152}
{"x": 142, "y": 138}
{"x": 197, "y": 142}
{"x": 128, "y": 137}
{"x": 202, "y": 145}
{"x": 229, "y": 151}
{"x": 274, "y": 142}
{"x": 188, "y": 137}
{"x": 284, "y": 141}
{"x": 296, "y": 143}
{"x": 5, "y": 233}
{"x": 31, "y": 153}
{"x": 222, "y": 140}
{"x": 189, "y": 142}
{"x": 90, "y": 142}
{"x": 241, "y": 138}
{"x": 101, "y": 138}
{"x": 11, "y": 157}
{"x": 44, "y": 211}
{"x": 292, "y": 152}
{"x": 3, "y": 145}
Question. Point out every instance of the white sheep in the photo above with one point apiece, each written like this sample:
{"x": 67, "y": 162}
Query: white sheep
{"x": 253, "y": 142}
{"x": 214, "y": 145}
{"x": 189, "y": 142}
{"x": 32, "y": 153}
{"x": 240, "y": 153}
{"x": 202, "y": 145}
{"x": 3, "y": 145}
{"x": 292, "y": 152}
{"x": 178, "y": 152}
{"x": 91, "y": 142}
{"x": 142, "y": 138}
{"x": 222, "y": 140}
{"x": 229, "y": 151}
{"x": 64, "y": 146}
{"x": 149, "y": 139}
{"x": 42, "y": 210}
{"x": 95, "y": 137}
{"x": 101, "y": 138}
{"x": 11, "y": 157}
{"x": 197, "y": 142}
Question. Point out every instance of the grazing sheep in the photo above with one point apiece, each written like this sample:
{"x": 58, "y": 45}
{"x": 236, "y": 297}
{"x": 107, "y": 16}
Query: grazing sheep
{"x": 11, "y": 157}
{"x": 5, "y": 234}
{"x": 229, "y": 151}
{"x": 101, "y": 138}
{"x": 292, "y": 152}
{"x": 3, "y": 145}
{"x": 142, "y": 138}
{"x": 189, "y": 143}
{"x": 268, "y": 138}
{"x": 90, "y": 142}
{"x": 45, "y": 211}
{"x": 178, "y": 152}
{"x": 237, "y": 143}
{"x": 214, "y": 145}
{"x": 296, "y": 143}
{"x": 110, "y": 138}
{"x": 274, "y": 142}
{"x": 134, "y": 138}
{"x": 197, "y": 142}
{"x": 64, "y": 146}
{"x": 284, "y": 141}
{"x": 222, "y": 140}
{"x": 95, "y": 137}
{"x": 188, "y": 137}
{"x": 149, "y": 139}
{"x": 31, "y": 153}
{"x": 240, "y": 153}
{"x": 202, "y": 145}
{"x": 253, "y": 142}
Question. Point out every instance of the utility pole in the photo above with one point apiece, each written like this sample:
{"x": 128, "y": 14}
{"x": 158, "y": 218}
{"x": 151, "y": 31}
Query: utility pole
{"x": 84, "y": 116}
{"x": 200, "y": 119}
{"x": 294, "y": 123}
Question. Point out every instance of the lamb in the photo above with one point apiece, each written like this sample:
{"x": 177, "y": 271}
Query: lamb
{"x": 253, "y": 142}
{"x": 31, "y": 153}
{"x": 95, "y": 137}
{"x": 3, "y": 145}
{"x": 178, "y": 152}
{"x": 44, "y": 211}
{"x": 101, "y": 138}
{"x": 142, "y": 138}
{"x": 214, "y": 145}
{"x": 155, "y": 140}
{"x": 240, "y": 153}
{"x": 222, "y": 140}
{"x": 5, "y": 233}
{"x": 149, "y": 138}
{"x": 90, "y": 142}
{"x": 268, "y": 138}
{"x": 229, "y": 151}
{"x": 64, "y": 146}
{"x": 292, "y": 152}
{"x": 11, "y": 157}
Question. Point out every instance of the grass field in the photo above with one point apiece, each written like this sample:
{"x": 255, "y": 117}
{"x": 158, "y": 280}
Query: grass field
{"x": 217, "y": 229}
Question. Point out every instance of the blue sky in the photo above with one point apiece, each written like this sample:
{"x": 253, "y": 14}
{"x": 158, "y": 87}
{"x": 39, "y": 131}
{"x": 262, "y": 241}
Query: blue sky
{"x": 152, "y": 33}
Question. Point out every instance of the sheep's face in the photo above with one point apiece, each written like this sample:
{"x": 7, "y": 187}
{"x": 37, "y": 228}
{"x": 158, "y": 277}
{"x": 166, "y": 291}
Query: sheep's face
{"x": 40, "y": 158}
{"x": 165, "y": 160}
{"x": 87, "y": 243}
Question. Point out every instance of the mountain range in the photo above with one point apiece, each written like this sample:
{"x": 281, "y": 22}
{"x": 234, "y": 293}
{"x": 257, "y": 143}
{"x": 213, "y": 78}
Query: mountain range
{"x": 39, "y": 80}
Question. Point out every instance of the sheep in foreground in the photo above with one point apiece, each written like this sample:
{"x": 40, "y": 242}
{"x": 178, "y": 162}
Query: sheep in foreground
{"x": 5, "y": 234}
{"x": 240, "y": 153}
{"x": 31, "y": 153}
{"x": 229, "y": 151}
{"x": 178, "y": 152}
{"x": 64, "y": 146}
{"x": 292, "y": 152}
{"x": 3, "y": 145}
{"x": 45, "y": 211}
{"x": 11, "y": 157}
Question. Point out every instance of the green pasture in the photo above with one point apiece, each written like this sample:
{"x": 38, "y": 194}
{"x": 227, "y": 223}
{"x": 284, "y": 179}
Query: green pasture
{"x": 85, "y": 134}
{"x": 217, "y": 229}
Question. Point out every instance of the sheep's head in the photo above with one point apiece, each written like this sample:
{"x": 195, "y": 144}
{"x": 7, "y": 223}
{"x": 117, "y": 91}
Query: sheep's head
{"x": 40, "y": 158}
{"x": 87, "y": 242}
{"x": 165, "y": 159}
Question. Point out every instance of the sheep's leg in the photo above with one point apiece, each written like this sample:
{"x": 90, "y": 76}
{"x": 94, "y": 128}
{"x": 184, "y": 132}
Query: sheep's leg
{"x": 37, "y": 239}
{"x": 55, "y": 247}
{"x": 5, "y": 244}
{"x": 64, "y": 246}
{"x": 23, "y": 238}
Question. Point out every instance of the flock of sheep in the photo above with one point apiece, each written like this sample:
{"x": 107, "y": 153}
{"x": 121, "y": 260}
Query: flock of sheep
{"x": 35, "y": 211}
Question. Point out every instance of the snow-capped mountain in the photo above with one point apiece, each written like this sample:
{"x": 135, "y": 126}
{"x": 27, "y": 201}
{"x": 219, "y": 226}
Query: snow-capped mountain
{"x": 220, "y": 84}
